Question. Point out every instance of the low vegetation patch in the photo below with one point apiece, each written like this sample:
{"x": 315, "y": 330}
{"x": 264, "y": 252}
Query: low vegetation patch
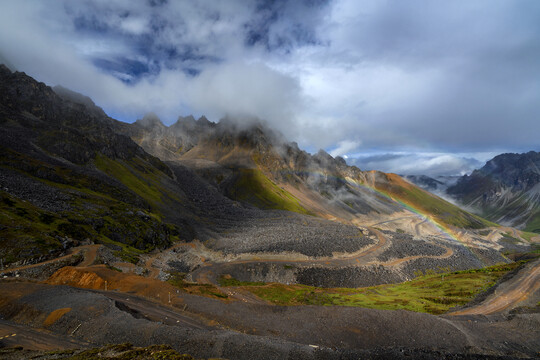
{"x": 177, "y": 279}
{"x": 534, "y": 224}
{"x": 115, "y": 351}
{"x": 227, "y": 280}
{"x": 528, "y": 236}
{"x": 254, "y": 187}
{"x": 444, "y": 211}
{"x": 433, "y": 293}
{"x": 92, "y": 209}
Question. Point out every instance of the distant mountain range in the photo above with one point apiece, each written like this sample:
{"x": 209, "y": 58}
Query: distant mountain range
{"x": 506, "y": 190}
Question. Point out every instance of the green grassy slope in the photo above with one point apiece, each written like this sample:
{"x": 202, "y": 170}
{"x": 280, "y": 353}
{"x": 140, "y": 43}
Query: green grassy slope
{"x": 427, "y": 203}
{"x": 93, "y": 209}
{"x": 534, "y": 224}
{"x": 434, "y": 293}
{"x": 252, "y": 186}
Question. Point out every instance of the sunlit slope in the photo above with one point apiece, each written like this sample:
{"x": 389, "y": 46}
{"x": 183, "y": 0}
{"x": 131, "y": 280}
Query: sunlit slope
{"x": 424, "y": 202}
{"x": 252, "y": 186}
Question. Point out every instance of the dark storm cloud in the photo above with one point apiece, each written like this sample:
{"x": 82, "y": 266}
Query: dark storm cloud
{"x": 284, "y": 25}
{"x": 414, "y": 77}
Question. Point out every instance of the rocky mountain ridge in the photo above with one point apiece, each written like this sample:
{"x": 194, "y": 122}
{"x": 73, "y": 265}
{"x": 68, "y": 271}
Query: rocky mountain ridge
{"x": 505, "y": 190}
{"x": 228, "y": 153}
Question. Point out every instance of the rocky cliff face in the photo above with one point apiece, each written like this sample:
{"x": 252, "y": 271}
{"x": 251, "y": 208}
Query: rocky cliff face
{"x": 505, "y": 190}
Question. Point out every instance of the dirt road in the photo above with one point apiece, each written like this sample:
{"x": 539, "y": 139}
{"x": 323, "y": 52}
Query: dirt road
{"x": 12, "y": 334}
{"x": 509, "y": 295}
{"x": 150, "y": 310}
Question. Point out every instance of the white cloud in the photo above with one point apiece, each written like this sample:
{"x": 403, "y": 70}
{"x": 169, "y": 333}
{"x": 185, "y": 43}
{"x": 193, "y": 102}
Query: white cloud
{"x": 134, "y": 25}
{"x": 413, "y": 163}
{"x": 425, "y": 77}
{"x": 344, "y": 147}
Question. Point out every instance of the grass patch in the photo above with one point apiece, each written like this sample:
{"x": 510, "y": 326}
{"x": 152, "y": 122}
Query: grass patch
{"x": 434, "y": 293}
{"x": 131, "y": 178}
{"x": 94, "y": 210}
{"x": 445, "y": 211}
{"x": 254, "y": 187}
{"x": 528, "y": 235}
{"x": 26, "y": 231}
{"x": 534, "y": 224}
{"x": 225, "y": 281}
{"x": 122, "y": 352}
{"x": 177, "y": 279}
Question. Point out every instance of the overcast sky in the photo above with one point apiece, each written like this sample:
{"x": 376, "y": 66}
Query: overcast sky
{"x": 431, "y": 87}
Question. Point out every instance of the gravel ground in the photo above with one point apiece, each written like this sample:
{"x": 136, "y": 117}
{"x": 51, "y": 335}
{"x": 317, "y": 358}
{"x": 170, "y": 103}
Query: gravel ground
{"x": 274, "y": 332}
{"x": 351, "y": 276}
{"x": 231, "y": 228}
{"x": 34, "y": 191}
{"x": 404, "y": 245}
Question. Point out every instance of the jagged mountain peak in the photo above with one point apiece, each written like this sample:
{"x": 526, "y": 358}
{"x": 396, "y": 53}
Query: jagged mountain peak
{"x": 204, "y": 121}
{"x": 22, "y": 92}
{"x": 150, "y": 120}
{"x": 511, "y": 170}
{"x": 234, "y": 154}
{"x": 189, "y": 124}
{"x": 511, "y": 163}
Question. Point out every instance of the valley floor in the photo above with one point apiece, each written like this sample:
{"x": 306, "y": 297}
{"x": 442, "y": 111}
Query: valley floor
{"x": 146, "y": 311}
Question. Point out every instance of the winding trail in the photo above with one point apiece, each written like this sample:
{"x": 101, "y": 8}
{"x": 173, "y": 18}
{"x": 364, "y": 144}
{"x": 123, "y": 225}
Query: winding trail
{"x": 394, "y": 220}
{"x": 208, "y": 272}
{"x": 449, "y": 252}
{"x": 417, "y": 226}
{"x": 89, "y": 252}
{"x": 90, "y": 255}
{"x": 517, "y": 289}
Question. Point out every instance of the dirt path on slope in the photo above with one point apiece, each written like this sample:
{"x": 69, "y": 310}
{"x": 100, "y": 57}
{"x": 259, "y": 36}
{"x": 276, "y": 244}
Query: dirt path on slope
{"x": 449, "y": 252}
{"x": 492, "y": 234}
{"x": 90, "y": 254}
{"x": 417, "y": 226}
{"x": 394, "y": 220}
{"x": 516, "y": 290}
{"x": 153, "y": 272}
